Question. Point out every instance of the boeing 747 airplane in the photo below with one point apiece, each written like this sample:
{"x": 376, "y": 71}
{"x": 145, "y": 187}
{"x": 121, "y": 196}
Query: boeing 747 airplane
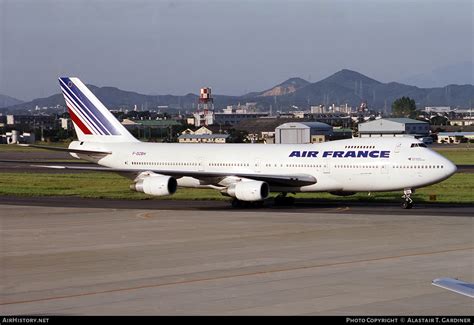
{"x": 248, "y": 172}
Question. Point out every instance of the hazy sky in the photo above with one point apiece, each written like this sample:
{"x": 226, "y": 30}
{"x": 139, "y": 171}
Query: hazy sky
{"x": 160, "y": 47}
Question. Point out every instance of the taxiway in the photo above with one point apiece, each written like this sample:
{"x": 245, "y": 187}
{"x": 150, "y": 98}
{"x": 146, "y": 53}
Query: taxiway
{"x": 215, "y": 261}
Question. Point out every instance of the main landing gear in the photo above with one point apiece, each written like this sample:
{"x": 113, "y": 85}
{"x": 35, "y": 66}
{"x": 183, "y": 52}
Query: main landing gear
{"x": 407, "y": 202}
{"x": 283, "y": 200}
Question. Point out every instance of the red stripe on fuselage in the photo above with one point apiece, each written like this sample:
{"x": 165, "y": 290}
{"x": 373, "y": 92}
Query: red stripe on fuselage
{"x": 78, "y": 122}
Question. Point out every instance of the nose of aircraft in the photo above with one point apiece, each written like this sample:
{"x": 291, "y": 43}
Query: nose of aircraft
{"x": 449, "y": 168}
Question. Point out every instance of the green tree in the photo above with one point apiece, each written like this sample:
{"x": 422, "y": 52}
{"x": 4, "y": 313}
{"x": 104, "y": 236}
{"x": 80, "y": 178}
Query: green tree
{"x": 237, "y": 136}
{"x": 404, "y": 107}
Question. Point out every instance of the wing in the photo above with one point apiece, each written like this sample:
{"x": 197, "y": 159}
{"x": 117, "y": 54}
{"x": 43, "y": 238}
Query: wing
{"x": 275, "y": 180}
{"x": 461, "y": 287}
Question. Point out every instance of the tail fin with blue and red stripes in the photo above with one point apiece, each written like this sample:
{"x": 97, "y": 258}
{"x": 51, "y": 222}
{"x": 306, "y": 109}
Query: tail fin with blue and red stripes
{"x": 93, "y": 122}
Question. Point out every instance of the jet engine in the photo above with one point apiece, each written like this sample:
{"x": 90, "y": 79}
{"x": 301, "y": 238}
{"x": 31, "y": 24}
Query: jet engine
{"x": 249, "y": 191}
{"x": 157, "y": 185}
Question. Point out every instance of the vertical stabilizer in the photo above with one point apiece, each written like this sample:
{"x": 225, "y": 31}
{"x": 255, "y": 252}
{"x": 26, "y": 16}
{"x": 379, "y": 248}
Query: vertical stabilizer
{"x": 93, "y": 122}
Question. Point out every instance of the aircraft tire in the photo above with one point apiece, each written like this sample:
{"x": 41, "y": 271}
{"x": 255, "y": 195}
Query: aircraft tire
{"x": 407, "y": 205}
{"x": 284, "y": 201}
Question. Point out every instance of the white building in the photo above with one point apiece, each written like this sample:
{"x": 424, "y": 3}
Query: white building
{"x": 462, "y": 122}
{"x": 302, "y": 132}
{"x": 318, "y": 109}
{"x": 129, "y": 122}
{"x": 66, "y": 123}
{"x": 15, "y": 137}
{"x": 10, "y": 120}
{"x": 438, "y": 109}
{"x": 455, "y": 137}
{"x": 201, "y": 135}
{"x": 203, "y": 138}
{"x": 203, "y": 118}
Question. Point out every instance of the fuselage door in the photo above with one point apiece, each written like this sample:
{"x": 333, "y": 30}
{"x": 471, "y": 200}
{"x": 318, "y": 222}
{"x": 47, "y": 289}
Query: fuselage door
{"x": 398, "y": 147}
{"x": 201, "y": 164}
{"x": 384, "y": 169}
{"x": 326, "y": 166}
{"x": 258, "y": 165}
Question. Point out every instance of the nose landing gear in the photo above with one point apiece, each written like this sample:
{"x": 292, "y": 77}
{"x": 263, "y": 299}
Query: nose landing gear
{"x": 407, "y": 202}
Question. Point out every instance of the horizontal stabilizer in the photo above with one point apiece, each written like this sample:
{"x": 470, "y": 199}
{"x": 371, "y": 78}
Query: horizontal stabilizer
{"x": 461, "y": 287}
{"x": 80, "y": 151}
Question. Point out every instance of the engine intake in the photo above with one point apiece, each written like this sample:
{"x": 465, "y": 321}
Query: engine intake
{"x": 156, "y": 185}
{"x": 249, "y": 191}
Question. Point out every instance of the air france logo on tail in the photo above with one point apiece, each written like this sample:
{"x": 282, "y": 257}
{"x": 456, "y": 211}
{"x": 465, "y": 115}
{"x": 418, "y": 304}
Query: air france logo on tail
{"x": 84, "y": 109}
{"x": 341, "y": 154}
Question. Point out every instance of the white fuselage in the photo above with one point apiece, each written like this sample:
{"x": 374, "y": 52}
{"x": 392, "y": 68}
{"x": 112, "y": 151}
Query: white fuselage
{"x": 353, "y": 165}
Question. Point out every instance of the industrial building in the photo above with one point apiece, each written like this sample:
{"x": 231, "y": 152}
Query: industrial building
{"x": 14, "y": 137}
{"x": 455, "y": 137}
{"x": 66, "y": 123}
{"x": 206, "y": 115}
{"x": 262, "y": 129}
{"x": 236, "y": 118}
{"x": 202, "y": 135}
{"x": 467, "y": 121}
{"x": 203, "y": 138}
{"x": 151, "y": 128}
{"x": 303, "y": 132}
{"x": 30, "y": 122}
{"x": 335, "y": 119}
{"x": 392, "y": 127}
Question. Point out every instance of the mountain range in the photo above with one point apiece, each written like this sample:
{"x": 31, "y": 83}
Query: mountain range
{"x": 6, "y": 101}
{"x": 345, "y": 86}
{"x": 459, "y": 73}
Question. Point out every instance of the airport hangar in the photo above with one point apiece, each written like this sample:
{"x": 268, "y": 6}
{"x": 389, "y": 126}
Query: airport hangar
{"x": 391, "y": 127}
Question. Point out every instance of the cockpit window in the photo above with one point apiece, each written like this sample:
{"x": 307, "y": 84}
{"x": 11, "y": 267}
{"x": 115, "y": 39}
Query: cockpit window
{"x": 418, "y": 145}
